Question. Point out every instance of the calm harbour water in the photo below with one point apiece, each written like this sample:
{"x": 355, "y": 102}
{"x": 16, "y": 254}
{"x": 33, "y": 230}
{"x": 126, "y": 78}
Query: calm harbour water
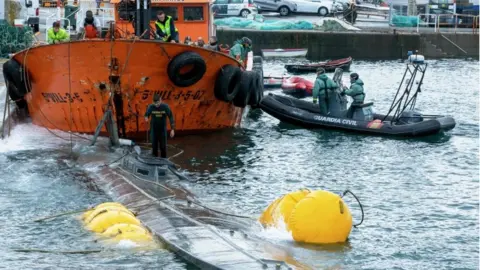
{"x": 420, "y": 195}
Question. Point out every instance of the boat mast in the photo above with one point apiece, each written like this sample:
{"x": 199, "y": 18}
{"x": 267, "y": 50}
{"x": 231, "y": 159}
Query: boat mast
{"x": 142, "y": 18}
{"x": 408, "y": 97}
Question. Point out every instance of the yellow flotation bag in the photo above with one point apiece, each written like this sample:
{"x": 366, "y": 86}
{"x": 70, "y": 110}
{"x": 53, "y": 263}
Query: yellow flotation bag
{"x": 125, "y": 231}
{"x": 102, "y": 205}
{"x": 281, "y": 208}
{"x": 320, "y": 218}
{"x": 100, "y": 210}
{"x": 105, "y": 219}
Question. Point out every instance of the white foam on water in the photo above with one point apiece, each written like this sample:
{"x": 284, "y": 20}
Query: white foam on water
{"x": 278, "y": 232}
{"x": 31, "y": 137}
{"x": 126, "y": 244}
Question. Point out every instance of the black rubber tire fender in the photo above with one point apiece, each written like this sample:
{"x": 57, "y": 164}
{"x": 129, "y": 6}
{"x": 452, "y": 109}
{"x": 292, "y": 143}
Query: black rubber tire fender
{"x": 194, "y": 74}
{"x": 13, "y": 73}
{"x": 227, "y": 83}
{"x": 246, "y": 86}
{"x": 257, "y": 95}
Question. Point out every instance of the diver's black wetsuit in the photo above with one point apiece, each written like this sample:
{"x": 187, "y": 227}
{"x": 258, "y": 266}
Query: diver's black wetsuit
{"x": 158, "y": 127}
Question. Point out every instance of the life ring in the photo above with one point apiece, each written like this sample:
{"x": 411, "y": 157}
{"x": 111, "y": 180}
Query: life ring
{"x": 227, "y": 84}
{"x": 186, "y": 69}
{"x": 13, "y": 75}
{"x": 256, "y": 96}
{"x": 246, "y": 87}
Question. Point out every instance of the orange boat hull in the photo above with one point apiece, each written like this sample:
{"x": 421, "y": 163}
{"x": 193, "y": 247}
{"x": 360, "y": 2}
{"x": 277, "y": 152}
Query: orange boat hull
{"x": 69, "y": 86}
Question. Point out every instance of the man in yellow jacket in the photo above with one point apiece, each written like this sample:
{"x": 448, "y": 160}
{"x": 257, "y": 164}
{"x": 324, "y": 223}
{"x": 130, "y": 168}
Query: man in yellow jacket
{"x": 56, "y": 34}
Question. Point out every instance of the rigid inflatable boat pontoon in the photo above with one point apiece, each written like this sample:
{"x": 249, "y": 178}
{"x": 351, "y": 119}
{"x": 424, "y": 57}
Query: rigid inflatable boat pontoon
{"x": 401, "y": 119}
{"x": 205, "y": 237}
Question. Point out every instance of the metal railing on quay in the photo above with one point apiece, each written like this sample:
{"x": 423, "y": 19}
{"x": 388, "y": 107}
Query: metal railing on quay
{"x": 455, "y": 21}
{"x": 424, "y": 19}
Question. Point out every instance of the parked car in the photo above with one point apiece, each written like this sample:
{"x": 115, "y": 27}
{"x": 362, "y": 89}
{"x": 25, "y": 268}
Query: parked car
{"x": 337, "y": 5}
{"x": 320, "y": 7}
{"x": 284, "y": 7}
{"x": 241, "y": 8}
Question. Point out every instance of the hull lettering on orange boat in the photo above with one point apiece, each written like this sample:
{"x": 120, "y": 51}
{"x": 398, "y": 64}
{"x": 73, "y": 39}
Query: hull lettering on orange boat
{"x": 170, "y": 95}
{"x": 58, "y": 98}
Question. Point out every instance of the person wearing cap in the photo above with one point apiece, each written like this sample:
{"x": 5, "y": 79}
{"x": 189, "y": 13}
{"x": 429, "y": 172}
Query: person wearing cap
{"x": 90, "y": 25}
{"x": 56, "y": 34}
{"x": 158, "y": 126}
{"x": 322, "y": 88}
{"x": 165, "y": 27}
{"x": 240, "y": 50}
{"x": 356, "y": 92}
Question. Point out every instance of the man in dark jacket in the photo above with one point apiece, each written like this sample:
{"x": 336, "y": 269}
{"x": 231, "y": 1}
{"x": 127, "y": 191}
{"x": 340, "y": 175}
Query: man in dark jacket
{"x": 158, "y": 126}
{"x": 213, "y": 44}
{"x": 165, "y": 27}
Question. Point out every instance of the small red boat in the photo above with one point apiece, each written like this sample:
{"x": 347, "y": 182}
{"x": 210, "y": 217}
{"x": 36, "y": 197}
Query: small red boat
{"x": 329, "y": 66}
{"x": 297, "y": 86}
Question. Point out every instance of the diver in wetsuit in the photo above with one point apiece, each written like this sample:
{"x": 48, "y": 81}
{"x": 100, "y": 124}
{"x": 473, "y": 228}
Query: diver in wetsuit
{"x": 158, "y": 126}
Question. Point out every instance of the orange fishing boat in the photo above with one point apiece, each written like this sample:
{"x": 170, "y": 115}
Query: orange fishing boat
{"x": 70, "y": 86}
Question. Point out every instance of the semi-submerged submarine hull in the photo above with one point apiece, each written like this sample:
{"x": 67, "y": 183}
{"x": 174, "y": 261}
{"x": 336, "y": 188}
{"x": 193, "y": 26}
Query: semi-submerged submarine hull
{"x": 207, "y": 238}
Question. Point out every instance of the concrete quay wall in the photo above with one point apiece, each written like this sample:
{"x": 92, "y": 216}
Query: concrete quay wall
{"x": 359, "y": 45}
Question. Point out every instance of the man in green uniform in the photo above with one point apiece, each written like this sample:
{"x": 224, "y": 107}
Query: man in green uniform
{"x": 57, "y": 34}
{"x": 323, "y": 87}
{"x": 165, "y": 28}
{"x": 158, "y": 126}
{"x": 355, "y": 91}
{"x": 240, "y": 50}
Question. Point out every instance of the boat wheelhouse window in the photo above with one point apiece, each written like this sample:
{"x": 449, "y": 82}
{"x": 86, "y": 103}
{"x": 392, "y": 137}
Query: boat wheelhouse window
{"x": 169, "y": 11}
{"x": 191, "y": 14}
{"x": 142, "y": 171}
{"x": 161, "y": 172}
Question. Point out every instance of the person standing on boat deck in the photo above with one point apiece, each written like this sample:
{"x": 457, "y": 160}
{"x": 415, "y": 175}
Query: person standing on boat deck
{"x": 240, "y": 50}
{"x": 56, "y": 34}
{"x": 165, "y": 27}
{"x": 90, "y": 25}
{"x": 356, "y": 92}
{"x": 158, "y": 126}
{"x": 322, "y": 88}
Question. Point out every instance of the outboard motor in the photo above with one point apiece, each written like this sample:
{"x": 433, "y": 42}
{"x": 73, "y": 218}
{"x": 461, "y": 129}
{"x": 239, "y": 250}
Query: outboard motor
{"x": 409, "y": 117}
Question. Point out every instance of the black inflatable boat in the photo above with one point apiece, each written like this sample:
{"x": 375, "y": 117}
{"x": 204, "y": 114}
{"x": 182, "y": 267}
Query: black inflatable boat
{"x": 308, "y": 115}
{"x": 401, "y": 119}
